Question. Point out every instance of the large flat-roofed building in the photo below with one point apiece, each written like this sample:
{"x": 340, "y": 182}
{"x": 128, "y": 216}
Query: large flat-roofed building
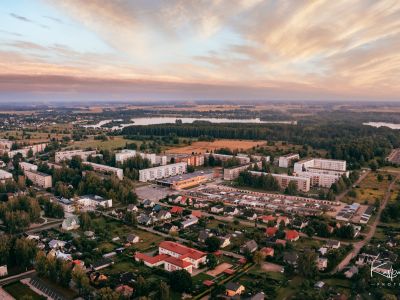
{"x": 186, "y": 180}
{"x": 224, "y": 157}
{"x": 195, "y": 160}
{"x": 233, "y": 173}
{"x": 162, "y": 172}
{"x": 39, "y": 179}
{"x": 106, "y": 169}
{"x": 285, "y": 161}
{"x": 25, "y": 150}
{"x": 302, "y": 183}
{"x": 4, "y": 176}
{"x": 322, "y": 172}
{"x": 93, "y": 201}
{"x": 5, "y": 145}
{"x": 68, "y": 155}
{"x": 27, "y": 166}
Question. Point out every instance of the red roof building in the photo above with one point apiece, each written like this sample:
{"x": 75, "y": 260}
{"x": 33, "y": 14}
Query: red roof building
{"x": 271, "y": 231}
{"x": 280, "y": 242}
{"x": 172, "y": 264}
{"x": 176, "y": 210}
{"x": 196, "y": 213}
{"x": 268, "y": 218}
{"x": 208, "y": 282}
{"x": 195, "y": 257}
{"x": 292, "y": 235}
{"x": 151, "y": 261}
{"x": 268, "y": 251}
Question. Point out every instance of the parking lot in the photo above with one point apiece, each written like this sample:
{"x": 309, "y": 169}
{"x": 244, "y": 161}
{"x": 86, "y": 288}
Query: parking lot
{"x": 154, "y": 192}
{"x": 38, "y": 285}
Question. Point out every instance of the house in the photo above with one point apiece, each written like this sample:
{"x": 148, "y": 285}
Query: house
{"x": 250, "y": 215}
{"x": 280, "y": 242}
{"x": 292, "y": 235}
{"x": 92, "y": 202}
{"x": 258, "y": 296}
{"x": 145, "y": 220}
{"x": 70, "y": 223}
{"x": 169, "y": 228}
{"x": 268, "y": 251}
{"x": 197, "y": 213}
{"x": 89, "y": 234}
{"x": 132, "y": 208}
{"x": 218, "y": 209}
{"x": 322, "y": 263}
{"x": 125, "y": 290}
{"x": 176, "y": 210}
{"x": 283, "y": 220}
{"x": 132, "y": 238}
{"x": 189, "y": 222}
{"x": 101, "y": 264}
{"x": 156, "y": 208}
{"x": 271, "y": 231}
{"x": 267, "y": 219}
{"x": 233, "y": 289}
{"x": 333, "y": 244}
{"x": 55, "y": 244}
{"x": 203, "y": 235}
{"x": 148, "y": 203}
{"x": 319, "y": 285}
{"x": 3, "y": 270}
{"x": 96, "y": 277}
{"x": 163, "y": 215}
{"x": 351, "y": 272}
{"x": 290, "y": 258}
{"x": 250, "y": 246}
{"x": 225, "y": 241}
{"x": 231, "y": 211}
{"x": 323, "y": 250}
{"x": 299, "y": 224}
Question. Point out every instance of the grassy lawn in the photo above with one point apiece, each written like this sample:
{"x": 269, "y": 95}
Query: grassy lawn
{"x": 19, "y": 290}
{"x": 307, "y": 243}
{"x": 294, "y": 286}
{"x": 198, "y": 279}
{"x": 112, "y": 143}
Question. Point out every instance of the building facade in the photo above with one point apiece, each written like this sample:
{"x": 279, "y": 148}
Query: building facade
{"x": 68, "y": 155}
{"x": 39, "y": 179}
{"x": 286, "y": 161}
{"x": 162, "y": 172}
{"x": 106, "y": 169}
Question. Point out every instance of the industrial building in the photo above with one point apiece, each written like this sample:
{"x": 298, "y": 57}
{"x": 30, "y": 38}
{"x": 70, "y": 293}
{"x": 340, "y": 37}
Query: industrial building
{"x": 187, "y": 180}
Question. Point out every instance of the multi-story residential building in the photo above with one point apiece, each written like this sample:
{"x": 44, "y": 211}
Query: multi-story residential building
{"x": 67, "y": 204}
{"x": 224, "y": 157}
{"x": 186, "y": 180}
{"x": 161, "y": 160}
{"x": 25, "y": 150}
{"x": 302, "y": 183}
{"x": 27, "y": 166}
{"x": 93, "y": 201}
{"x": 233, "y": 173}
{"x": 38, "y": 178}
{"x": 4, "y": 176}
{"x": 106, "y": 169}
{"x": 5, "y": 145}
{"x": 286, "y": 161}
{"x": 68, "y": 155}
{"x": 195, "y": 160}
{"x": 154, "y": 159}
{"x": 162, "y": 172}
{"x": 319, "y": 179}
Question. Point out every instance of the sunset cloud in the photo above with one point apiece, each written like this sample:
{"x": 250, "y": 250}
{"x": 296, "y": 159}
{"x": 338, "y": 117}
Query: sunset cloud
{"x": 343, "y": 49}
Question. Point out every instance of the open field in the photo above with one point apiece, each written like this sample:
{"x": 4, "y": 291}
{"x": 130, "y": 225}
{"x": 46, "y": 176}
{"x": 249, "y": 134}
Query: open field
{"x": 110, "y": 144}
{"x": 202, "y": 147}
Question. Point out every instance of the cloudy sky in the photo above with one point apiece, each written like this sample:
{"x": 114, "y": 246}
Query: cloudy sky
{"x": 194, "y": 49}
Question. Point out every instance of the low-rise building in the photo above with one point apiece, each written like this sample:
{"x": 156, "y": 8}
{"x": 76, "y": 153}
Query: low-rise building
{"x": 39, "y": 179}
{"x": 70, "y": 223}
{"x": 4, "y": 176}
{"x": 93, "y": 201}
{"x": 287, "y": 160}
{"x": 234, "y": 289}
{"x": 187, "y": 180}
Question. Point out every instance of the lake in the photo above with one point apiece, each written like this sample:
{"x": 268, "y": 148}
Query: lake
{"x": 380, "y": 124}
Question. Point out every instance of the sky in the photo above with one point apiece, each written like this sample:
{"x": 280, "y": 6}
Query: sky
{"x": 145, "y": 50}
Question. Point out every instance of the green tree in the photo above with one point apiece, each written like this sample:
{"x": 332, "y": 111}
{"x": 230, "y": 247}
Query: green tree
{"x": 41, "y": 264}
{"x": 80, "y": 279}
{"x": 213, "y": 243}
{"x": 307, "y": 264}
{"x": 164, "y": 291}
{"x": 212, "y": 261}
{"x": 181, "y": 281}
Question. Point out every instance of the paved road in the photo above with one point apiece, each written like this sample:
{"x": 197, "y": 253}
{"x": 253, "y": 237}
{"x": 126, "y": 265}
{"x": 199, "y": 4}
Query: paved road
{"x": 361, "y": 178}
{"x": 48, "y": 225}
{"x": 16, "y": 277}
{"x": 370, "y": 234}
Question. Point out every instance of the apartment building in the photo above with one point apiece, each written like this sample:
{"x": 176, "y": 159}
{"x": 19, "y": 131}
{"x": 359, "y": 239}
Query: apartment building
{"x": 27, "y": 166}
{"x": 195, "y": 160}
{"x": 106, "y": 169}
{"x": 286, "y": 161}
{"x": 39, "y": 179}
{"x": 68, "y": 155}
{"x": 4, "y": 176}
{"x": 319, "y": 179}
{"x": 302, "y": 183}
{"x": 25, "y": 150}
{"x": 233, "y": 173}
{"x": 224, "y": 157}
{"x": 162, "y": 172}
{"x": 5, "y": 145}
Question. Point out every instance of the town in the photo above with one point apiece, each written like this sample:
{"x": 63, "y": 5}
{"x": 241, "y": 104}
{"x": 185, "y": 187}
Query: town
{"x": 86, "y": 215}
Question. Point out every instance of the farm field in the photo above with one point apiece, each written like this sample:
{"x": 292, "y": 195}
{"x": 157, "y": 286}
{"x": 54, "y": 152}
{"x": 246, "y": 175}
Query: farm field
{"x": 202, "y": 147}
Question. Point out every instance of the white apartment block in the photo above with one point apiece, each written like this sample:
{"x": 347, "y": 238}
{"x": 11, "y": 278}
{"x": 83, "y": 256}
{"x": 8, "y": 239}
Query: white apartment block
{"x": 285, "y": 161}
{"x": 68, "y": 155}
{"x": 4, "y": 175}
{"x": 161, "y": 160}
{"x": 224, "y": 157}
{"x": 106, "y": 169}
{"x": 302, "y": 183}
{"x": 25, "y": 150}
{"x": 320, "y": 163}
{"x": 93, "y": 201}
{"x": 27, "y": 166}
{"x": 39, "y": 179}
{"x": 154, "y": 159}
{"x": 233, "y": 173}
{"x": 319, "y": 179}
{"x": 162, "y": 172}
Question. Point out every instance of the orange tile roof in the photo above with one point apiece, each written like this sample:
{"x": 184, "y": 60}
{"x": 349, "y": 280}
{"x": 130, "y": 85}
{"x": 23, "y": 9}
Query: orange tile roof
{"x": 271, "y": 231}
{"x": 177, "y": 262}
{"x": 182, "y": 250}
{"x": 151, "y": 259}
{"x": 292, "y": 234}
{"x": 176, "y": 210}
